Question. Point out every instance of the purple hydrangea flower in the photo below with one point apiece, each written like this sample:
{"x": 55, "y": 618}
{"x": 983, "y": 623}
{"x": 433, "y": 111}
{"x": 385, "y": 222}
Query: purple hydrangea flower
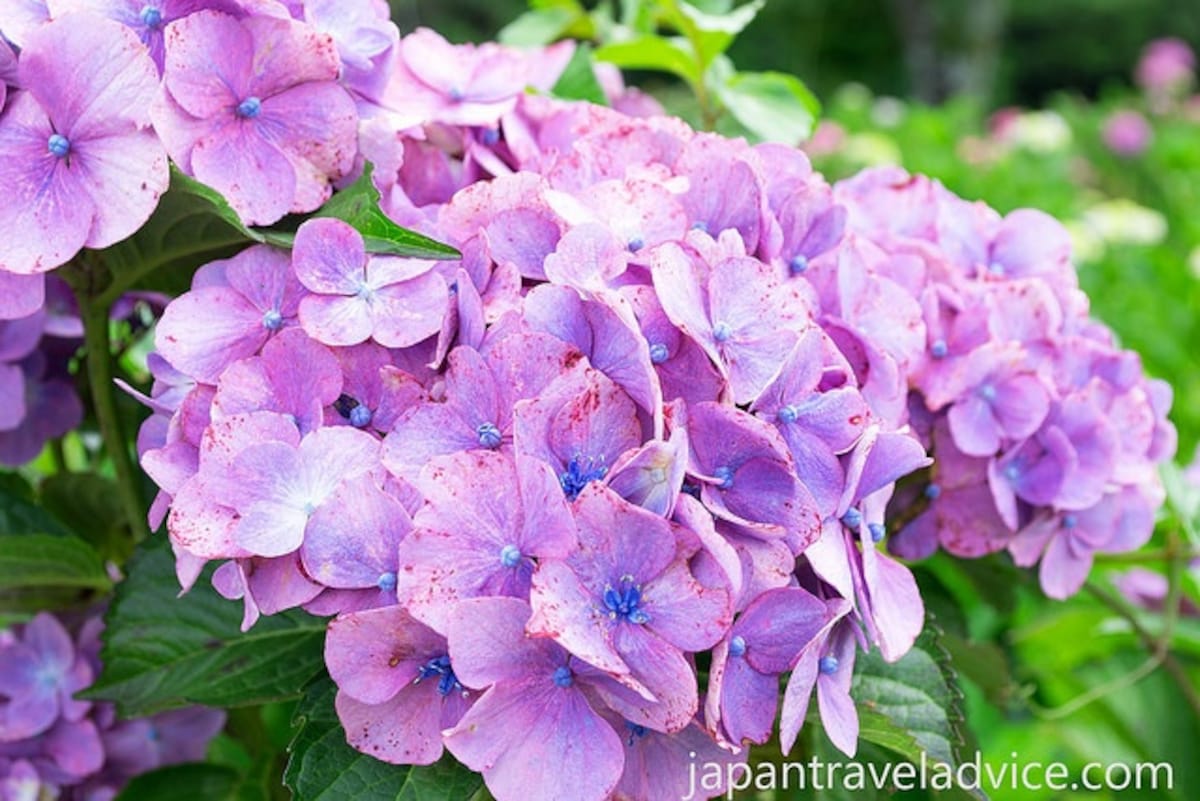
{"x": 531, "y": 713}
{"x": 251, "y": 107}
{"x": 397, "y": 302}
{"x": 81, "y": 165}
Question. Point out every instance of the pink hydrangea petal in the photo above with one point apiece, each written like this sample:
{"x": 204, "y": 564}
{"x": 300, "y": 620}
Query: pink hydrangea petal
{"x": 207, "y": 55}
{"x": 253, "y": 175}
{"x": 46, "y": 218}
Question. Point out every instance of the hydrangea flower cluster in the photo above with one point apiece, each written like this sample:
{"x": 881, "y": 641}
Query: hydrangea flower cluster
{"x": 55, "y": 746}
{"x": 257, "y": 98}
{"x": 38, "y": 401}
{"x": 586, "y": 495}
{"x": 1046, "y": 435}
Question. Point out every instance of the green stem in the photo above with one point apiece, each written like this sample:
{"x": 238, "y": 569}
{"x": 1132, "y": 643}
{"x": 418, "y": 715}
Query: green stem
{"x": 1158, "y": 646}
{"x": 100, "y": 380}
{"x": 1152, "y": 556}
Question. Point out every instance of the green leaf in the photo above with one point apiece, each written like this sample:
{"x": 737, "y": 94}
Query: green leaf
{"x": 161, "y": 651}
{"x": 711, "y": 34}
{"x": 578, "y": 81}
{"x": 538, "y": 27}
{"x": 911, "y": 706}
{"x": 90, "y": 505}
{"x": 44, "y": 560}
{"x": 18, "y": 512}
{"x": 192, "y": 224}
{"x": 653, "y": 53}
{"x": 358, "y": 204}
{"x": 323, "y": 767}
{"x": 772, "y": 106}
{"x": 192, "y": 782}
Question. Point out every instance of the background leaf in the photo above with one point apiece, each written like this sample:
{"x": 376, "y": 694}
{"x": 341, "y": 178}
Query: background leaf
{"x": 358, "y": 204}
{"x": 911, "y": 706}
{"x": 161, "y": 651}
{"x": 323, "y": 767}
{"x": 772, "y": 106}
{"x": 43, "y": 560}
{"x": 578, "y": 81}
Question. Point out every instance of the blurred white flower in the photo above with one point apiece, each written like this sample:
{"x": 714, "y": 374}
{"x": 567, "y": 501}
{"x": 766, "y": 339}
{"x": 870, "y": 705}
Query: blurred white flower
{"x": 1124, "y": 222}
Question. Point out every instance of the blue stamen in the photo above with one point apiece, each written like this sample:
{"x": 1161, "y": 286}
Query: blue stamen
{"x": 1012, "y": 471}
{"x": 153, "y": 735}
{"x": 579, "y": 473}
{"x": 151, "y": 17}
{"x": 563, "y": 677}
{"x": 996, "y": 269}
{"x": 624, "y": 603}
{"x": 360, "y": 416}
{"x": 722, "y": 332}
{"x": 725, "y": 474}
{"x": 440, "y": 667}
{"x": 635, "y": 244}
{"x": 877, "y": 531}
{"x": 456, "y": 94}
{"x": 939, "y": 349}
{"x": 1069, "y": 521}
{"x": 310, "y": 509}
{"x": 700, "y": 225}
{"x": 798, "y": 264}
{"x": 787, "y": 414}
{"x": 852, "y": 519}
{"x": 489, "y": 435}
{"x": 491, "y": 136}
{"x": 933, "y": 492}
{"x": 58, "y": 145}
{"x": 272, "y": 320}
{"x": 987, "y": 392}
{"x": 510, "y": 556}
{"x": 828, "y": 665}
{"x": 249, "y": 108}
{"x": 659, "y": 353}
{"x": 386, "y": 581}
{"x": 737, "y": 646}
{"x": 350, "y": 409}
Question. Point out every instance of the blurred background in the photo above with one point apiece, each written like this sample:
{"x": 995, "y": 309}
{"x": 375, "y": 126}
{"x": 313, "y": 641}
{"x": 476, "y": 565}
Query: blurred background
{"x": 1089, "y": 110}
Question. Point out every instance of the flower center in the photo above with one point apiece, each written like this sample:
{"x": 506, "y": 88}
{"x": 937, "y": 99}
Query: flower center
{"x": 249, "y": 108}
{"x": 563, "y": 677}
{"x": 624, "y": 601}
{"x": 489, "y": 435}
{"x": 272, "y": 320}
{"x": 987, "y": 392}
{"x": 510, "y": 556}
{"x": 659, "y": 353}
{"x": 580, "y": 471}
{"x": 58, "y": 145}
{"x": 933, "y": 492}
{"x": 1069, "y": 521}
{"x": 440, "y": 667}
{"x": 636, "y": 732}
{"x": 635, "y": 244}
{"x": 722, "y": 332}
{"x": 939, "y": 349}
{"x": 386, "y": 581}
{"x": 852, "y": 519}
{"x": 788, "y": 414}
{"x": 359, "y": 415}
{"x": 877, "y": 531}
{"x": 798, "y": 264}
{"x": 151, "y": 17}
{"x": 737, "y": 646}
{"x": 828, "y": 665}
{"x": 724, "y": 474}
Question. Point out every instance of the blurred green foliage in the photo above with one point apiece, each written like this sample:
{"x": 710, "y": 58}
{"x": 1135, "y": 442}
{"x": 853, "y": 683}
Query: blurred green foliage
{"x": 1026, "y": 49}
